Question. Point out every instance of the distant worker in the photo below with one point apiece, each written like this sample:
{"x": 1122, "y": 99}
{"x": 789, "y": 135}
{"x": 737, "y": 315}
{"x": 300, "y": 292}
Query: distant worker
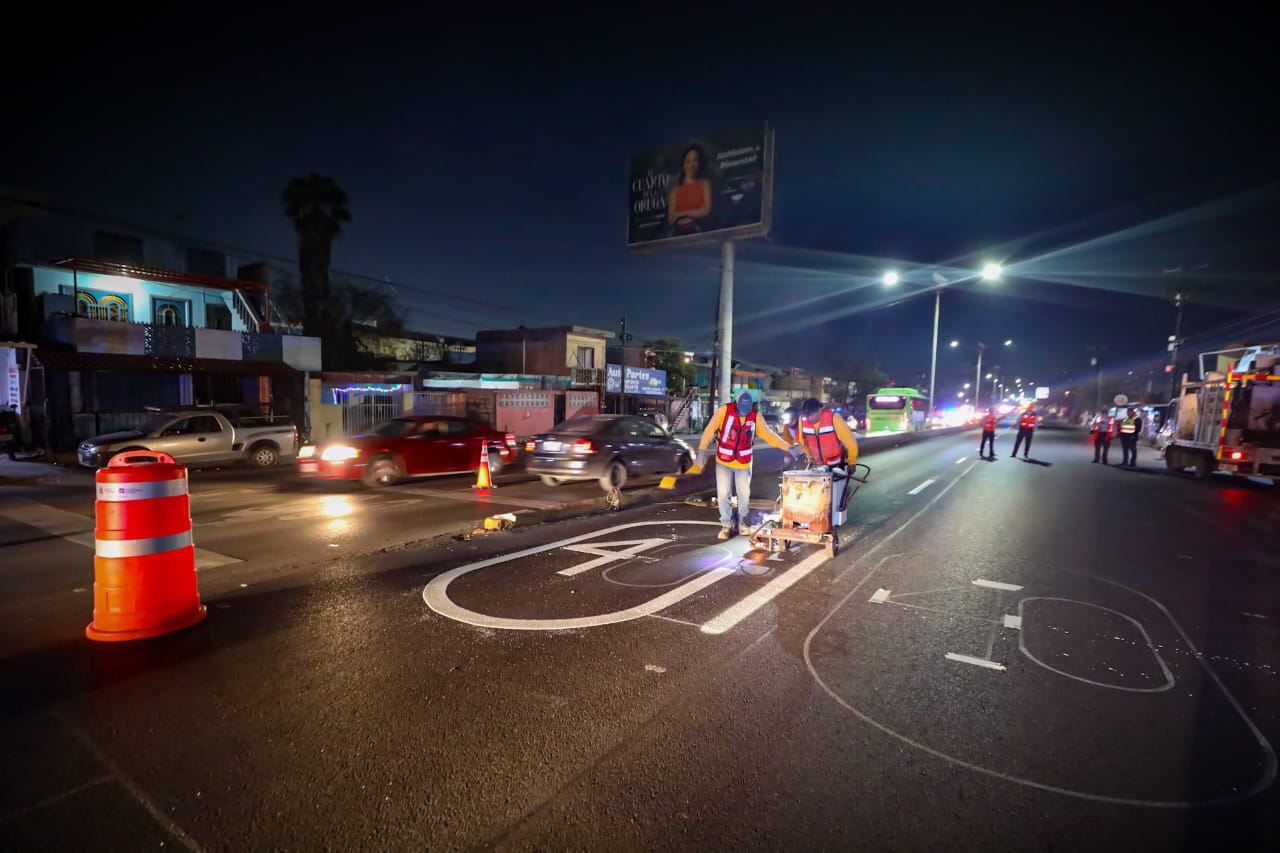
{"x": 1026, "y": 429}
{"x": 1130, "y": 429}
{"x": 827, "y": 439}
{"x": 1104, "y": 429}
{"x": 791, "y": 425}
{"x": 988, "y": 435}
{"x": 733, "y": 430}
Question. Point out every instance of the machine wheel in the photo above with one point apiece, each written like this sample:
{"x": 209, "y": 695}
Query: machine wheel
{"x": 548, "y": 480}
{"x": 1173, "y": 460}
{"x": 614, "y": 476}
{"x": 1204, "y": 466}
{"x": 263, "y": 455}
{"x": 381, "y": 472}
{"x": 833, "y": 546}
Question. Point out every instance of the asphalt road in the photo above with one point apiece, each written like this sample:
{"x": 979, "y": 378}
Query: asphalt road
{"x": 1040, "y": 654}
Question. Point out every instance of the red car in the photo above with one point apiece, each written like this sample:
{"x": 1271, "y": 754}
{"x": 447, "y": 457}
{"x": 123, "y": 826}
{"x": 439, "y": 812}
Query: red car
{"x": 412, "y": 446}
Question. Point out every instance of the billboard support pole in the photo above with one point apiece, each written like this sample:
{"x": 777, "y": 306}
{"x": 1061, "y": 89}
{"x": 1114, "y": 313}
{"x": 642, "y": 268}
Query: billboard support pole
{"x": 933, "y": 364}
{"x": 724, "y": 338}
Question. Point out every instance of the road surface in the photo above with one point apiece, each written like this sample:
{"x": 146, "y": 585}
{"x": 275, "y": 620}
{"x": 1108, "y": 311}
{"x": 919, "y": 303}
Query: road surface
{"x": 1038, "y": 654}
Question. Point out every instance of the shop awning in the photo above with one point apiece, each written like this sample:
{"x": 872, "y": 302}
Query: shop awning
{"x": 65, "y": 359}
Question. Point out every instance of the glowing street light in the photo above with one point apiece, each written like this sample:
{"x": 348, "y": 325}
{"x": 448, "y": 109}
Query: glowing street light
{"x": 1008, "y": 343}
{"x": 955, "y": 344}
{"x": 991, "y": 272}
{"x": 988, "y": 376}
{"x": 966, "y": 386}
{"x": 890, "y": 278}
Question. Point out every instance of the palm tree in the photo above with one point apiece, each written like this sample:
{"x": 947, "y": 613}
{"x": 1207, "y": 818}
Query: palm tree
{"x": 318, "y": 208}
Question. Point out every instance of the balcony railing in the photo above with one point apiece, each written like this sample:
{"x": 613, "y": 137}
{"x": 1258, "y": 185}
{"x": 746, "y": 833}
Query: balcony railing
{"x": 587, "y": 377}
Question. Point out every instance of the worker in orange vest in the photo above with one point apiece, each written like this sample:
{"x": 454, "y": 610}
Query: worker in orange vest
{"x": 1104, "y": 429}
{"x": 1026, "y": 429}
{"x": 988, "y": 434}
{"x": 827, "y": 439}
{"x": 733, "y": 430}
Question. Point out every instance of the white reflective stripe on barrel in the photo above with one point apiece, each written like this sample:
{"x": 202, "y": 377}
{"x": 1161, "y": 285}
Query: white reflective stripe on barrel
{"x": 111, "y": 548}
{"x": 142, "y": 491}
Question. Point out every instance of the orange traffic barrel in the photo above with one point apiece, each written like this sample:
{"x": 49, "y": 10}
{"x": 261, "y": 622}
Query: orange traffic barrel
{"x": 144, "y": 560}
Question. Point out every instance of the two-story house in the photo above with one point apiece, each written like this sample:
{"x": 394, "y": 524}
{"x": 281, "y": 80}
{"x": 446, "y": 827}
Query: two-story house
{"x": 576, "y": 352}
{"x": 126, "y": 320}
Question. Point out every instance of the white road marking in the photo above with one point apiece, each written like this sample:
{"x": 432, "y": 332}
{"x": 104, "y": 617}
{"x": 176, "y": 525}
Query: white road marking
{"x": 970, "y": 659}
{"x": 436, "y": 593}
{"x": 1253, "y": 615}
{"x": 880, "y": 596}
{"x": 1006, "y": 587}
{"x": 1014, "y": 622}
{"x": 920, "y": 488}
{"x": 961, "y": 460}
{"x": 653, "y": 667}
{"x": 763, "y": 595}
{"x": 77, "y": 528}
{"x": 609, "y": 552}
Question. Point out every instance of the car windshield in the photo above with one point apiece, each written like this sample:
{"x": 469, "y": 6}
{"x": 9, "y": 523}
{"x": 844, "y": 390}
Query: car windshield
{"x": 390, "y": 429}
{"x": 583, "y": 426}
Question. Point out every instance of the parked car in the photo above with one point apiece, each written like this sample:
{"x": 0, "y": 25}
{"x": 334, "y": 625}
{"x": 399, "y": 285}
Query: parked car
{"x": 411, "y": 446}
{"x": 199, "y": 437}
{"x": 607, "y": 448}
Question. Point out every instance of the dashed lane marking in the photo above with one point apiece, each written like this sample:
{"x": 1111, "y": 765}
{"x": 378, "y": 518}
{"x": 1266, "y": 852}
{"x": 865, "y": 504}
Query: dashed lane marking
{"x": 880, "y": 597}
{"x": 970, "y": 659}
{"x": 764, "y": 595}
{"x": 1006, "y": 587}
{"x": 920, "y": 488}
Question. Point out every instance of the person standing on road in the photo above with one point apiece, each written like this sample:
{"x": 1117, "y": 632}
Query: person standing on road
{"x": 733, "y": 430}
{"x": 1104, "y": 429}
{"x": 827, "y": 439}
{"x": 1130, "y": 429}
{"x": 1026, "y": 429}
{"x": 988, "y": 435}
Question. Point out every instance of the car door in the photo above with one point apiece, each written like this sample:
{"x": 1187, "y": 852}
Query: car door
{"x": 179, "y": 441}
{"x": 425, "y": 449}
{"x": 640, "y": 449}
{"x": 464, "y": 444}
{"x": 214, "y": 439}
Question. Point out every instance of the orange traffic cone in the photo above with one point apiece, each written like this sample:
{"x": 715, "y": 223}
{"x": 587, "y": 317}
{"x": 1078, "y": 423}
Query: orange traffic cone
{"x": 483, "y": 479}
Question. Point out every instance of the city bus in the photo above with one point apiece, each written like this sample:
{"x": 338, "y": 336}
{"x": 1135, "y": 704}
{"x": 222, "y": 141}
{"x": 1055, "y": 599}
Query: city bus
{"x": 897, "y": 410}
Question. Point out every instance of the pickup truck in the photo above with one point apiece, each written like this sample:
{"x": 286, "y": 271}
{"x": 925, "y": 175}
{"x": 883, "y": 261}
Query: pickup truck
{"x": 200, "y": 437}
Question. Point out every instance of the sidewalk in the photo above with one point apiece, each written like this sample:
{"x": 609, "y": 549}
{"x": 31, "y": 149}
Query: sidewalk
{"x": 40, "y": 473}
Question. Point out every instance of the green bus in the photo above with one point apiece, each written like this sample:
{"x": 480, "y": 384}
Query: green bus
{"x": 897, "y": 410}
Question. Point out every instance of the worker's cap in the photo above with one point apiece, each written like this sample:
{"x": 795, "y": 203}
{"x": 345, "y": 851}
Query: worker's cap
{"x": 745, "y": 403}
{"x": 811, "y": 407}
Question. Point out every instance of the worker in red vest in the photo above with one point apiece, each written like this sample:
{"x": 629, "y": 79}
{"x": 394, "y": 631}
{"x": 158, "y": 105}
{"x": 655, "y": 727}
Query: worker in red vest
{"x": 733, "y": 430}
{"x": 827, "y": 439}
{"x": 1026, "y": 429}
{"x": 1104, "y": 429}
{"x": 988, "y": 434}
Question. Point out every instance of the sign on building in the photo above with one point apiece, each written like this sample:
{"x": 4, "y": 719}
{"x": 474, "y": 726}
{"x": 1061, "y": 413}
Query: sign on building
{"x": 642, "y": 381}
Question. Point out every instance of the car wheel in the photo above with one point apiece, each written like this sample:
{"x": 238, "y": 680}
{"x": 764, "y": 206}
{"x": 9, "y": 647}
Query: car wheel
{"x": 1204, "y": 466}
{"x": 614, "y": 476}
{"x": 495, "y": 463}
{"x": 381, "y": 472}
{"x": 263, "y": 455}
{"x": 548, "y": 480}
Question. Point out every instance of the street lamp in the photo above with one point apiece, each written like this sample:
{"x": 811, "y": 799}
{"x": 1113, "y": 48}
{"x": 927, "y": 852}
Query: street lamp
{"x": 991, "y": 272}
{"x": 955, "y": 344}
{"x": 1008, "y": 343}
{"x": 890, "y": 278}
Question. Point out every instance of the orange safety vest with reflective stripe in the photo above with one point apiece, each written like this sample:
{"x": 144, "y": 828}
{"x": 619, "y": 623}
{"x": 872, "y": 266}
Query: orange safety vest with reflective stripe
{"x": 737, "y": 436}
{"x": 1105, "y": 432}
{"x": 821, "y": 440}
{"x": 989, "y": 423}
{"x": 1028, "y": 421}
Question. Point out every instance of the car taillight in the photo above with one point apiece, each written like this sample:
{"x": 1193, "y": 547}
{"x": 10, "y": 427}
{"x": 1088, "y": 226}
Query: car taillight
{"x": 511, "y": 440}
{"x": 1236, "y": 454}
{"x": 583, "y": 446}
{"x": 530, "y": 445}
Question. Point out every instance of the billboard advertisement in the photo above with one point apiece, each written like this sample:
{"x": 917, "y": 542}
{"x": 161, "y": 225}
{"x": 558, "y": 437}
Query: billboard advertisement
{"x": 702, "y": 190}
{"x": 641, "y": 381}
{"x": 1042, "y": 392}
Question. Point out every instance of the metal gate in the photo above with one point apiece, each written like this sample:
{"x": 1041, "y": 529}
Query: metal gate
{"x": 368, "y": 409}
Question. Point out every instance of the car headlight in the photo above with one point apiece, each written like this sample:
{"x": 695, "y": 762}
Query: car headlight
{"x": 339, "y": 453}
{"x": 306, "y": 451}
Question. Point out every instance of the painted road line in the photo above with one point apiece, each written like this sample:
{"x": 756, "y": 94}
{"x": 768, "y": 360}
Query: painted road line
{"x": 77, "y": 528}
{"x": 920, "y": 488}
{"x": 609, "y": 552}
{"x": 880, "y": 597}
{"x": 962, "y": 460}
{"x": 1006, "y": 587}
{"x": 495, "y": 496}
{"x": 970, "y": 659}
{"x": 1014, "y": 622}
{"x": 763, "y": 595}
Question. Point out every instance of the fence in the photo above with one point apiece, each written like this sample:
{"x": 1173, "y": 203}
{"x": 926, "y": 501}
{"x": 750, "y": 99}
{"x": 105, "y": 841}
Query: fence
{"x": 360, "y": 412}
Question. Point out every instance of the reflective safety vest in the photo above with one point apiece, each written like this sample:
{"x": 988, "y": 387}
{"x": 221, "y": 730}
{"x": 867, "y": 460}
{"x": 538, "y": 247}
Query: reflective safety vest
{"x": 1105, "y": 427}
{"x": 989, "y": 423}
{"x": 820, "y": 439}
{"x": 1129, "y": 426}
{"x": 1028, "y": 421}
{"x": 737, "y": 436}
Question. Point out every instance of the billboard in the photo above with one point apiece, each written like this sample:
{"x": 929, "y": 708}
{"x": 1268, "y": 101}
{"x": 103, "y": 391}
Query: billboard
{"x": 642, "y": 381}
{"x": 702, "y": 190}
{"x": 1042, "y": 392}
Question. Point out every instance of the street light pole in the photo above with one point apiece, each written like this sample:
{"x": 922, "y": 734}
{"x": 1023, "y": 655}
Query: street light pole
{"x": 977, "y": 380}
{"x": 933, "y": 365}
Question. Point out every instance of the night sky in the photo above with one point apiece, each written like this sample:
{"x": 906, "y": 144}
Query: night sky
{"x": 486, "y": 156}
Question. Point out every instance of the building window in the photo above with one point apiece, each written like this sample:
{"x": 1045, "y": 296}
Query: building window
{"x": 169, "y": 312}
{"x": 86, "y": 305}
{"x": 117, "y": 247}
{"x": 217, "y": 316}
{"x": 587, "y": 358}
{"x": 113, "y": 308}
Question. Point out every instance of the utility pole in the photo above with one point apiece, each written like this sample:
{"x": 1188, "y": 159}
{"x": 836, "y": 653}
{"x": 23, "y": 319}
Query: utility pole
{"x": 622, "y": 379}
{"x": 977, "y": 380}
{"x": 1175, "y": 341}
